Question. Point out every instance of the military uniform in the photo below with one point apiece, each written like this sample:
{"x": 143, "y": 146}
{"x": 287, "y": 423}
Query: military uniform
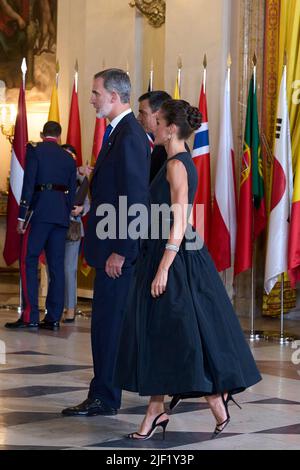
{"x": 48, "y": 191}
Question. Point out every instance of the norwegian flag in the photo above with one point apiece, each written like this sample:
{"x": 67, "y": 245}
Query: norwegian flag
{"x": 201, "y": 158}
{"x": 12, "y": 247}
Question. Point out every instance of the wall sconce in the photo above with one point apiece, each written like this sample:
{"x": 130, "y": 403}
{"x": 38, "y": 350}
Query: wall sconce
{"x": 154, "y": 10}
{"x": 8, "y": 116}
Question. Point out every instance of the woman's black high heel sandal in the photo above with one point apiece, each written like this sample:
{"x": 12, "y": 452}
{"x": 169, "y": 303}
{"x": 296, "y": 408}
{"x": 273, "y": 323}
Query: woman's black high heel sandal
{"x": 230, "y": 398}
{"x": 155, "y": 425}
{"x": 221, "y": 426}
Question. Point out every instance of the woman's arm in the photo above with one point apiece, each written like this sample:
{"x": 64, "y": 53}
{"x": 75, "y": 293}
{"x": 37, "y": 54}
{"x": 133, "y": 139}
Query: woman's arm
{"x": 177, "y": 178}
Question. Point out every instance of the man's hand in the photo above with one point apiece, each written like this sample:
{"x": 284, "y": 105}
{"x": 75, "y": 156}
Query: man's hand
{"x": 85, "y": 170}
{"x": 113, "y": 266}
{"x": 77, "y": 210}
{"x": 20, "y": 227}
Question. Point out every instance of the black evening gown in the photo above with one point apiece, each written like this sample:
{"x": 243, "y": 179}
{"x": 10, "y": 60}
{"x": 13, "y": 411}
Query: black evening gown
{"x": 189, "y": 340}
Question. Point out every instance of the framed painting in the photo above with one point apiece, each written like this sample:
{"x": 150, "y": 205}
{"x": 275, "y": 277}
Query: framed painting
{"x": 28, "y": 28}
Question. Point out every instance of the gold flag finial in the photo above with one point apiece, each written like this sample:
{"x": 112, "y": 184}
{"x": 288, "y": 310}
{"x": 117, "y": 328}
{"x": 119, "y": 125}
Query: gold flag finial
{"x": 57, "y": 66}
{"x": 205, "y": 61}
{"x": 151, "y": 64}
{"x": 229, "y": 61}
{"x": 254, "y": 60}
{"x": 285, "y": 58}
{"x": 179, "y": 63}
{"x": 76, "y": 66}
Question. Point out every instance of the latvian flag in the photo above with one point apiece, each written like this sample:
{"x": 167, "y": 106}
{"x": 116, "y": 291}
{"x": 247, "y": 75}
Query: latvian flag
{"x": 201, "y": 157}
{"x": 12, "y": 247}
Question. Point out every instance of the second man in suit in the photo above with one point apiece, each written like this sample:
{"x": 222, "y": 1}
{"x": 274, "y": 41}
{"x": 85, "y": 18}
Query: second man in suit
{"x": 149, "y": 105}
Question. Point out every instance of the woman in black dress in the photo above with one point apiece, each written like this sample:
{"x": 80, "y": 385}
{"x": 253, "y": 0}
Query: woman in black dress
{"x": 180, "y": 334}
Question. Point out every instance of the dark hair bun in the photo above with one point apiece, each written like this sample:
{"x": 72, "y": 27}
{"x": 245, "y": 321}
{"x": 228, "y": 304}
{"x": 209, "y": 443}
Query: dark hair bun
{"x": 194, "y": 117}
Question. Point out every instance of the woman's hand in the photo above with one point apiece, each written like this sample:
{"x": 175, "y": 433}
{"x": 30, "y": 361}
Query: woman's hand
{"x": 159, "y": 283}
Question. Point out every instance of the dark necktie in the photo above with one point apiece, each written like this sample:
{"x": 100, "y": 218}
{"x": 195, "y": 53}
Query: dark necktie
{"x": 107, "y": 133}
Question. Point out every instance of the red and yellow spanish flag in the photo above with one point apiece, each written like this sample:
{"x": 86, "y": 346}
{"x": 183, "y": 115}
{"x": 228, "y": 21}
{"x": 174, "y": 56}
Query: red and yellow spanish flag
{"x": 100, "y": 127}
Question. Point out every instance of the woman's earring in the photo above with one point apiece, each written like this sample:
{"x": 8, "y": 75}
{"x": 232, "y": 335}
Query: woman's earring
{"x": 170, "y": 136}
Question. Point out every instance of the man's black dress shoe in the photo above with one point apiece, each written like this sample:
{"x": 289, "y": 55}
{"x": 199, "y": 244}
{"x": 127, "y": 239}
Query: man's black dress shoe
{"x": 49, "y": 325}
{"x": 175, "y": 401}
{"x": 90, "y": 407}
{"x": 21, "y": 324}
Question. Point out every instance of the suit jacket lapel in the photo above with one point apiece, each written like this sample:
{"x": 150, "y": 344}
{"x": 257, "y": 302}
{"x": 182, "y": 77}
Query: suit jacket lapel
{"x": 109, "y": 144}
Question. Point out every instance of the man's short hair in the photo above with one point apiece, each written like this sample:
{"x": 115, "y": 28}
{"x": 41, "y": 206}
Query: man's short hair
{"x": 116, "y": 80}
{"x": 52, "y": 129}
{"x": 155, "y": 98}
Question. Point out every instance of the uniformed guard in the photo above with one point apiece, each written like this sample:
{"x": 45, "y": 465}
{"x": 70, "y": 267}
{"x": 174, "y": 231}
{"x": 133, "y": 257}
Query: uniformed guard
{"x": 48, "y": 193}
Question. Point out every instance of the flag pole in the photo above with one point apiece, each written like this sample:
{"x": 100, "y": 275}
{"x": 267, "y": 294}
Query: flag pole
{"x": 204, "y": 72}
{"x": 229, "y": 62}
{"x": 76, "y": 76}
{"x": 281, "y": 338}
{"x": 20, "y": 306}
{"x": 151, "y": 75}
{"x": 57, "y": 73}
{"x": 254, "y": 334}
{"x": 179, "y": 67}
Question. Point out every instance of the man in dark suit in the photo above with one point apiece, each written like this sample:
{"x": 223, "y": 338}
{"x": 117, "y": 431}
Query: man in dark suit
{"x": 48, "y": 192}
{"x": 149, "y": 105}
{"x": 122, "y": 170}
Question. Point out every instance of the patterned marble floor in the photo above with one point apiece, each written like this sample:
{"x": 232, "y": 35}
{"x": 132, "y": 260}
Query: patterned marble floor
{"x": 47, "y": 371}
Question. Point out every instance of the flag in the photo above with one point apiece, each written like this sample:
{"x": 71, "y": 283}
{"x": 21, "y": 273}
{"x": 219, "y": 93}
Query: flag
{"x": 258, "y": 190}
{"x": 100, "y": 127}
{"x": 201, "y": 158}
{"x": 84, "y": 267}
{"x": 12, "y": 245}
{"x": 251, "y": 211}
{"x": 281, "y": 195}
{"x": 176, "y": 91}
{"x": 294, "y": 235}
{"x": 74, "y": 129}
{"x": 54, "y": 106}
{"x": 223, "y": 224}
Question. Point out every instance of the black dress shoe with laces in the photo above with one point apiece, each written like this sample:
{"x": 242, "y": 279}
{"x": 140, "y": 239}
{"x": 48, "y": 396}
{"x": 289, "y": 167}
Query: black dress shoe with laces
{"x": 49, "y": 325}
{"x": 90, "y": 407}
{"x": 20, "y": 324}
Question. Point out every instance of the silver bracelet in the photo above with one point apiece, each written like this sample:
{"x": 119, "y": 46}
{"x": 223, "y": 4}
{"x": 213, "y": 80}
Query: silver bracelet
{"x": 171, "y": 247}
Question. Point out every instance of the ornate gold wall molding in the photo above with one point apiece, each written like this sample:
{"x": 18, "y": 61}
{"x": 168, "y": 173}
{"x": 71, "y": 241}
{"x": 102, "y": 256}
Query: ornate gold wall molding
{"x": 251, "y": 40}
{"x": 154, "y": 10}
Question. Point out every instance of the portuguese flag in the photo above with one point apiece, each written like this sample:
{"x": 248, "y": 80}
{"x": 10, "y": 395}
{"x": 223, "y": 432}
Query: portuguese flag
{"x": 252, "y": 209}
